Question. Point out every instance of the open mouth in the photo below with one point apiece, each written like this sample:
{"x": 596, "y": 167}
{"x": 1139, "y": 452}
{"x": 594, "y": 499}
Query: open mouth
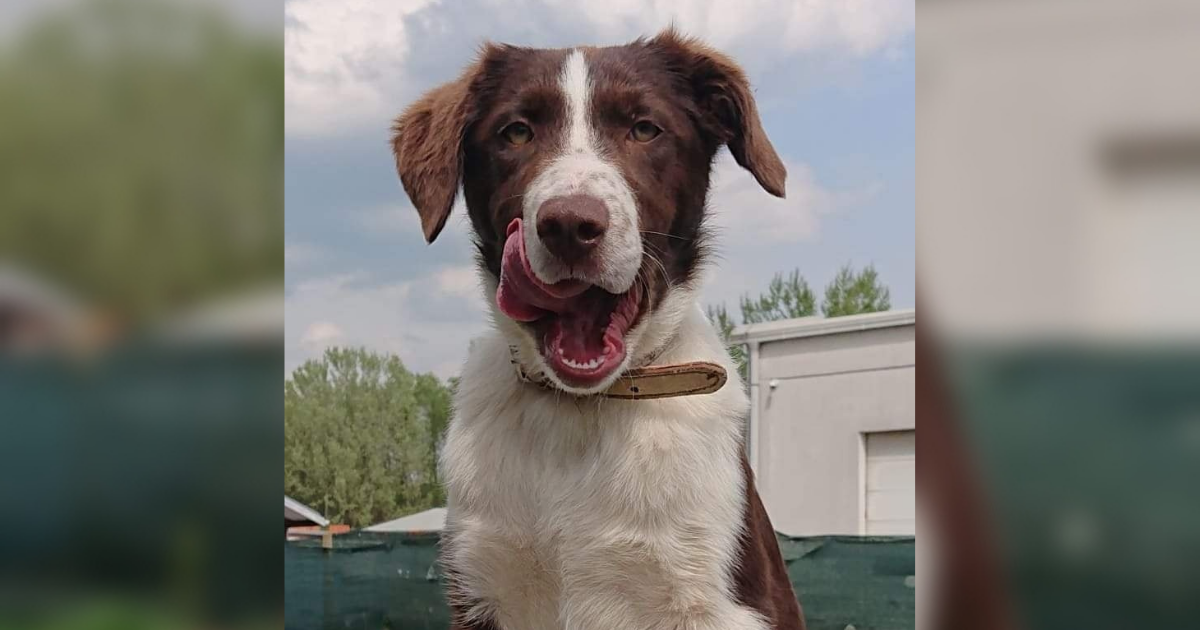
{"x": 580, "y": 327}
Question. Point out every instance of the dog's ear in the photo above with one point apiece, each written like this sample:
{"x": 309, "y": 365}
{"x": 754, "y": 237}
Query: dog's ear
{"x": 427, "y": 141}
{"x": 726, "y": 105}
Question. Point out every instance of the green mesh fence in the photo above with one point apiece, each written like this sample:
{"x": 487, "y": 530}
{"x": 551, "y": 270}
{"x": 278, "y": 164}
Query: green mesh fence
{"x": 370, "y": 581}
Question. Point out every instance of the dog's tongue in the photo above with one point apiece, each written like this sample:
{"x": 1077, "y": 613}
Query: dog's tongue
{"x": 584, "y": 328}
{"x": 521, "y": 295}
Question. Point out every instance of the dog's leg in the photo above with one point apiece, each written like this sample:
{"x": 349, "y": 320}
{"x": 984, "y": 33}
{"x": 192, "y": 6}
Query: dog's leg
{"x": 506, "y": 584}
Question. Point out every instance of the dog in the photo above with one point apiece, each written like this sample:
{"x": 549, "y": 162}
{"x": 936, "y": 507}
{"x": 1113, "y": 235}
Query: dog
{"x": 585, "y": 173}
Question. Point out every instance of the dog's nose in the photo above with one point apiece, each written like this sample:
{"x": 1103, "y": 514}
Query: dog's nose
{"x": 572, "y": 226}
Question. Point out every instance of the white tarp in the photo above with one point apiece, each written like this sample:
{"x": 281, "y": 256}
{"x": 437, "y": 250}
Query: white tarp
{"x": 428, "y": 521}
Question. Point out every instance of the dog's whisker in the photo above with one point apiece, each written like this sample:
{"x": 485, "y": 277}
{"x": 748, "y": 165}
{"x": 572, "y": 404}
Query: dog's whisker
{"x": 674, "y": 236}
{"x": 654, "y": 258}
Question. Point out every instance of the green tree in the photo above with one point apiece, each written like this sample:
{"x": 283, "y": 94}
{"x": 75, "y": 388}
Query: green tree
{"x": 787, "y": 297}
{"x": 851, "y": 293}
{"x": 361, "y": 434}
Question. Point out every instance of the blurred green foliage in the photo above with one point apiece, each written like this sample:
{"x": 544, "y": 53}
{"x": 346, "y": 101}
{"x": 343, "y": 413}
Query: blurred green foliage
{"x": 361, "y": 437}
{"x": 123, "y": 614}
{"x": 141, "y": 154}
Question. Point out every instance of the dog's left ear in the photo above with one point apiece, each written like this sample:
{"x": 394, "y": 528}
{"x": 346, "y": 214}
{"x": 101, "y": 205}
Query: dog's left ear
{"x": 723, "y": 95}
{"x": 427, "y": 140}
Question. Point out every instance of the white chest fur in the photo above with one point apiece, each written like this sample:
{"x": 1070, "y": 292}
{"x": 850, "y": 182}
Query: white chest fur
{"x": 575, "y": 514}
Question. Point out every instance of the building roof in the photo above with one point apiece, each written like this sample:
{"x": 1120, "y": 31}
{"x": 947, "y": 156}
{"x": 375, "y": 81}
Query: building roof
{"x": 428, "y": 521}
{"x": 294, "y": 510}
{"x": 817, "y": 326}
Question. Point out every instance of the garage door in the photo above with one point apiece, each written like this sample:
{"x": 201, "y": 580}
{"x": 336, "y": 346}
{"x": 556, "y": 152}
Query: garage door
{"x": 891, "y": 483}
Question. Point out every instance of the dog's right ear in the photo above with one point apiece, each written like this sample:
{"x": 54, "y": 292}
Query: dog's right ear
{"x": 427, "y": 141}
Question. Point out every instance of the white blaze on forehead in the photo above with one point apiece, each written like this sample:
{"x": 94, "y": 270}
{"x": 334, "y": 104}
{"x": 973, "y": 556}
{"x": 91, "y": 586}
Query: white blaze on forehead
{"x": 579, "y": 167}
{"x": 577, "y": 89}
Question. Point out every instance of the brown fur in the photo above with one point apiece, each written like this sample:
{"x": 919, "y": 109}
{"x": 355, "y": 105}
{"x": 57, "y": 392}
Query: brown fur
{"x": 760, "y": 578}
{"x": 427, "y": 144}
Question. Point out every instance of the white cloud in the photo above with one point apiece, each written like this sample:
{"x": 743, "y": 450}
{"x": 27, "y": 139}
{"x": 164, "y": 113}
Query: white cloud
{"x": 777, "y": 27}
{"x": 462, "y": 281}
{"x": 402, "y": 219}
{"x": 351, "y": 64}
{"x": 340, "y": 57}
{"x": 389, "y": 318}
{"x": 321, "y": 335}
{"x": 393, "y": 218}
{"x": 363, "y": 315}
{"x": 744, "y": 212}
{"x": 862, "y": 26}
{"x": 301, "y": 254}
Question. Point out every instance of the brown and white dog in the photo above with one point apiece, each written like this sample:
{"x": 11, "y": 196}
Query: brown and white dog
{"x": 586, "y": 173}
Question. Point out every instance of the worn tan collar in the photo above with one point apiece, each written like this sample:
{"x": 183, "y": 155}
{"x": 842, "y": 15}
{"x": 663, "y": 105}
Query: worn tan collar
{"x": 650, "y": 382}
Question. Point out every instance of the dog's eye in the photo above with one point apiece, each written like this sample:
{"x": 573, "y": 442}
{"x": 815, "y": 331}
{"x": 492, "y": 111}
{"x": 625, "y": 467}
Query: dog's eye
{"x": 517, "y": 134}
{"x": 644, "y": 131}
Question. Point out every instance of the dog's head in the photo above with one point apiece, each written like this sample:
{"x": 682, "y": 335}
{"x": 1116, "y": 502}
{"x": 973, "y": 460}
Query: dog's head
{"x": 585, "y": 173}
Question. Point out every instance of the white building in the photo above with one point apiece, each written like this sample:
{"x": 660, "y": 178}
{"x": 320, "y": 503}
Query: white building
{"x": 832, "y": 436}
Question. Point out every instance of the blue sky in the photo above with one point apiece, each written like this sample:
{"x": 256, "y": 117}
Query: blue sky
{"x": 835, "y": 85}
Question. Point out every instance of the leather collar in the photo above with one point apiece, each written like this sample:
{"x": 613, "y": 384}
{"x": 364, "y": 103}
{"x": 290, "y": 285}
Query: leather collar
{"x": 650, "y": 382}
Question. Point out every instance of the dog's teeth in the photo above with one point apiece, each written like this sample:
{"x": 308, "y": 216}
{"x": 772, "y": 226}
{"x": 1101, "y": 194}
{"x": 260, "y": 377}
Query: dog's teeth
{"x": 589, "y": 365}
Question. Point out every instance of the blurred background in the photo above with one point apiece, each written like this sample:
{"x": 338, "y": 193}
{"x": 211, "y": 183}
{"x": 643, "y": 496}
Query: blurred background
{"x": 141, "y": 269}
{"x": 1058, "y": 205}
{"x": 141, "y": 328}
